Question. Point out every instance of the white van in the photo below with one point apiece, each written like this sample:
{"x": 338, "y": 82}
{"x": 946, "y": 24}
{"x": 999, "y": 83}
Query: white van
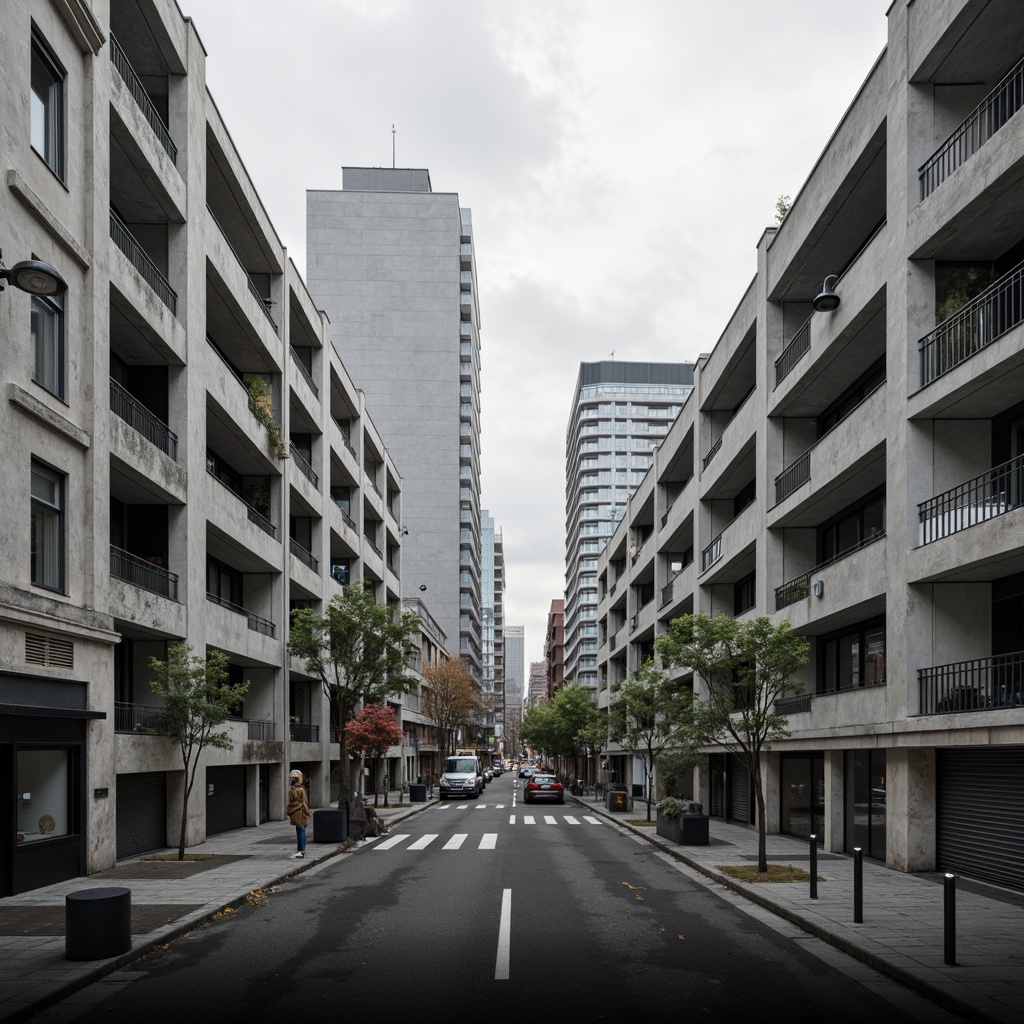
{"x": 461, "y": 777}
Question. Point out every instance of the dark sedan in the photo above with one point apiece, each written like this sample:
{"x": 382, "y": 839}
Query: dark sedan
{"x": 543, "y": 787}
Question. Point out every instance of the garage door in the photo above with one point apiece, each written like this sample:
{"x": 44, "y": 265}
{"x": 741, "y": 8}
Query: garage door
{"x": 739, "y": 790}
{"x": 981, "y": 814}
{"x": 225, "y": 798}
{"x": 141, "y": 813}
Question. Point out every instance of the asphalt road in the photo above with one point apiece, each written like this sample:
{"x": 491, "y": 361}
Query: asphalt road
{"x": 469, "y": 911}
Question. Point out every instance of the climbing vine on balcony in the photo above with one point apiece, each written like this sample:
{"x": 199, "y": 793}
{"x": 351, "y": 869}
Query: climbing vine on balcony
{"x": 262, "y": 406}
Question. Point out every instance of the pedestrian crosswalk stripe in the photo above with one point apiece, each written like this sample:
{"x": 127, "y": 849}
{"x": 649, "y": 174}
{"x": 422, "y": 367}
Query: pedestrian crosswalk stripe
{"x": 443, "y": 806}
{"x": 488, "y": 841}
{"x": 591, "y": 819}
{"x": 393, "y": 841}
{"x": 456, "y": 841}
{"x": 570, "y": 820}
{"x": 499, "y": 807}
{"x": 511, "y": 819}
{"x": 480, "y": 807}
{"x": 423, "y": 842}
{"x": 528, "y": 819}
{"x": 549, "y": 819}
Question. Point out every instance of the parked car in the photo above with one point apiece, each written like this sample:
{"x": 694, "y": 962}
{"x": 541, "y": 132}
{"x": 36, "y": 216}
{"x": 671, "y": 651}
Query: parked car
{"x": 525, "y": 772}
{"x": 543, "y": 787}
{"x": 461, "y": 778}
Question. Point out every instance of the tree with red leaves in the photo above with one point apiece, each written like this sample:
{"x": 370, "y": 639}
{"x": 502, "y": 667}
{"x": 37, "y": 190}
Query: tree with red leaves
{"x": 371, "y": 733}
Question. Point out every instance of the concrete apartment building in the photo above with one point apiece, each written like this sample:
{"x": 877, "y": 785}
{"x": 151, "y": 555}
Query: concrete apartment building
{"x": 537, "y": 685}
{"x": 620, "y": 413}
{"x": 392, "y": 263}
{"x": 554, "y": 647}
{"x": 492, "y": 561}
{"x": 515, "y": 659}
{"x": 147, "y": 499}
{"x": 851, "y": 460}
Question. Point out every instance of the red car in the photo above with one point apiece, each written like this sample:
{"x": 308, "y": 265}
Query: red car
{"x": 543, "y": 787}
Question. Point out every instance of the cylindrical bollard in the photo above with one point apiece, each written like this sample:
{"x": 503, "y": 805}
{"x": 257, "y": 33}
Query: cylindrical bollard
{"x": 858, "y": 885}
{"x": 949, "y": 919}
{"x": 814, "y": 866}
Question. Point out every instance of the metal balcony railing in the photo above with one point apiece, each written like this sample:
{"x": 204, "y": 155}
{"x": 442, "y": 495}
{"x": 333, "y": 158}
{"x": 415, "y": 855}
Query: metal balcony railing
{"x": 260, "y": 729}
{"x": 255, "y": 517}
{"x": 304, "y": 467}
{"x": 978, "y": 685}
{"x": 992, "y": 494}
{"x": 306, "y": 375}
{"x": 140, "y": 260}
{"x": 257, "y": 623}
{"x": 135, "y": 717}
{"x": 998, "y": 309}
{"x": 711, "y": 554}
{"x": 791, "y": 354}
{"x": 979, "y": 126}
{"x": 302, "y": 733}
{"x": 715, "y": 448}
{"x": 304, "y": 556}
{"x": 143, "y": 574}
{"x": 794, "y": 476}
{"x": 794, "y": 704}
{"x": 140, "y": 419}
{"x": 799, "y": 587}
{"x": 141, "y": 97}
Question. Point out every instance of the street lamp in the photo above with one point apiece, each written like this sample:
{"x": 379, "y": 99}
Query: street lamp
{"x": 34, "y": 277}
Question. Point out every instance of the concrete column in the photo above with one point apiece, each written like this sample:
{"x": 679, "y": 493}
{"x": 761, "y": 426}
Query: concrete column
{"x": 835, "y": 811}
{"x": 910, "y": 809}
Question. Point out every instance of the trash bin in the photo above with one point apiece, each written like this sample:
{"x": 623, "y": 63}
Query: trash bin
{"x": 417, "y": 793}
{"x": 330, "y": 825}
{"x": 97, "y": 923}
{"x": 618, "y": 800}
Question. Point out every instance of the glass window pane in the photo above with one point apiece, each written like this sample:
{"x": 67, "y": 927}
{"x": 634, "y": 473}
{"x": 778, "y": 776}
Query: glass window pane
{"x": 874, "y": 518}
{"x": 47, "y": 333}
{"x": 849, "y": 661}
{"x": 47, "y": 528}
{"x": 46, "y": 108}
{"x": 42, "y": 794}
{"x": 874, "y": 655}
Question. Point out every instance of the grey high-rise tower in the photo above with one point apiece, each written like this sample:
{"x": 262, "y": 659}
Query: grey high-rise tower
{"x": 392, "y": 264}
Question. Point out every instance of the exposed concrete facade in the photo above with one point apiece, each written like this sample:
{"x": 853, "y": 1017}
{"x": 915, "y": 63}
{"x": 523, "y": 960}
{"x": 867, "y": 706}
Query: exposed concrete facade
{"x": 393, "y": 264}
{"x": 162, "y": 510}
{"x": 858, "y": 471}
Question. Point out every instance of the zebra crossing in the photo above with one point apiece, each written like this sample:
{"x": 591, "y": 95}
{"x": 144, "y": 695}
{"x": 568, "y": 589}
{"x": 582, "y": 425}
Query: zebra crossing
{"x": 487, "y": 841}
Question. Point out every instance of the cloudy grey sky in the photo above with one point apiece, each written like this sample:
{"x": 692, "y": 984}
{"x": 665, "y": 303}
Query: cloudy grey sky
{"x": 621, "y": 160}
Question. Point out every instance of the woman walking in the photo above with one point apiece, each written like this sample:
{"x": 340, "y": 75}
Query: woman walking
{"x": 298, "y": 812}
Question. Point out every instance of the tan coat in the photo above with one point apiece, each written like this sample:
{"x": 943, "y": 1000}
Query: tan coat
{"x": 298, "y": 804}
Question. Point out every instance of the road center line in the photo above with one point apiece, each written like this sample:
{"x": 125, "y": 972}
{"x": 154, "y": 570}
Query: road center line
{"x": 504, "y": 937}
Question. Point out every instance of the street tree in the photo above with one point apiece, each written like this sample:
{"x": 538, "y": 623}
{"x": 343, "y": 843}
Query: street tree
{"x": 746, "y": 667}
{"x": 567, "y": 726}
{"x": 360, "y": 651}
{"x": 451, "y": 698}
{"x": 370, "y": 733}
{"x": 196, "y": 700}
{"x": 646, "y": 716}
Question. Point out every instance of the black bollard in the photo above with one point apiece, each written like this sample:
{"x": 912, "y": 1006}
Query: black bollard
{"x": 949, "y": 932}
{"x": 814, "y": 866}
{"x": 858, "y": 885}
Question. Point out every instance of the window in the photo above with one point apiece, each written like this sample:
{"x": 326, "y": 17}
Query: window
{"x": 47, "y": 544}
{"x": 223, "y": 584}
{"x": 46, "y": 809}
{"x": 853, "y": 658}
{"x": 48, "y": 338}
{"x": 746, "y": 496}
{"x": 852, "y": 527}
{"x": 47, "y": 107}
{"x": 744, "y": 597}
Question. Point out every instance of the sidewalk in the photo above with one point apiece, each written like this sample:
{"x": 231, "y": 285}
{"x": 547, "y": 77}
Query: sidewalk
{"x": 901, "y": 935}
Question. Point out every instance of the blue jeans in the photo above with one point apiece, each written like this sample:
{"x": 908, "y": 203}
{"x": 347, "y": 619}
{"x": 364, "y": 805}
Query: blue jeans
{"x": 300, "y": 838}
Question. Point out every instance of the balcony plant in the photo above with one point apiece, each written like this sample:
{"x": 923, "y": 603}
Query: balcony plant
{"x": 262, "y": 406}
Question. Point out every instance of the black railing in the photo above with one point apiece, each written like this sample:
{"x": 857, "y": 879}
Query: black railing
{"x": 992, "y": 494}
{"x": 140, "y": 419}
{"x": 141, "y": 573}
{"x": 380, "y": 554}
{"x": 799, "y": 587}
{"x": 304, "y": 556}
{"x": 260, "y": 729}
{"x": 141, "y": 97}
{"x": 978, "y": 685}
{"x": 998, "y": 309}
{"x": 351, "y": 449}
{"x": 257, "y": 623}
{"x": 793, "y": 476}
{"x": 141, "y": 261}
{"x": 711, "y": 554}
{"x": 255, "y": 517}
{"x": 304, "y": 467}
{"x": 711, "y": 454}
{"x": 348, "y": 520}
{"x": 794, "y": 704}
{"x": 666, "y": 593}
{"x": 306, "y": 375}
{"x": 135, "y": 717}
{"x": 793, "y": 351}
{"x": 980, "y": 125}
{"x": 301, "y": 733}
{"x": 264, "y": 303}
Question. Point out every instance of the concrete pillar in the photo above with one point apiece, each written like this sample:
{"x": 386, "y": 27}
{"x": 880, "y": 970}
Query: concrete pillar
{"x": 910, "y": 809}
{"x": 835, "y": 811}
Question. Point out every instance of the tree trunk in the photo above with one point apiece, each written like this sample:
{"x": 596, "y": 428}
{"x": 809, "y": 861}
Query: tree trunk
{"x": 762, "y": 848}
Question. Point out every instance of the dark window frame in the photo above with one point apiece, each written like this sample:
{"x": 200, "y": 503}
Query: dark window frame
{"x": 865, "y": 674}
{"x": 745, "y": 590}
{"x": 855, "y": 513}
{"x": 48, "y": 566}
{"x": 50, "y": 308}
{"x": 47, "y": 87}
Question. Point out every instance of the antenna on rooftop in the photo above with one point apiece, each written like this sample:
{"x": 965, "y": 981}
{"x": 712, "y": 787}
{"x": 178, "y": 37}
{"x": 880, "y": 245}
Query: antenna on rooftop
{"x": 392, "y": 147}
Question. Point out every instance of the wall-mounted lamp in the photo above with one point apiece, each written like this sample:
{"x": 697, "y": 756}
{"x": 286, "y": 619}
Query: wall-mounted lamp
{"x": 405, "y": 531}
{"x": 827, "y": 300}
{"x": 34, "y": 277}
{"x": 423, "y": 586}
{"x": 818, "y": 588}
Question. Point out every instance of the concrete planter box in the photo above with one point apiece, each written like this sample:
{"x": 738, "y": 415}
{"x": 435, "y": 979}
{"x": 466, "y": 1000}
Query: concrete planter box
{"x": 669, "y": 828}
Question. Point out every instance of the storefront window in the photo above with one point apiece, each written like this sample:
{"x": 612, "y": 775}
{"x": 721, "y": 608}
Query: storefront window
{"x": 43, "y": 804}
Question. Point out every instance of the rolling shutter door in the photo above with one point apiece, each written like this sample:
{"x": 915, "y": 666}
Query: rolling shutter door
{"x": 739, "y": 791}
{"x": 980, "y": 810}
{"x": 141, "y": 813}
